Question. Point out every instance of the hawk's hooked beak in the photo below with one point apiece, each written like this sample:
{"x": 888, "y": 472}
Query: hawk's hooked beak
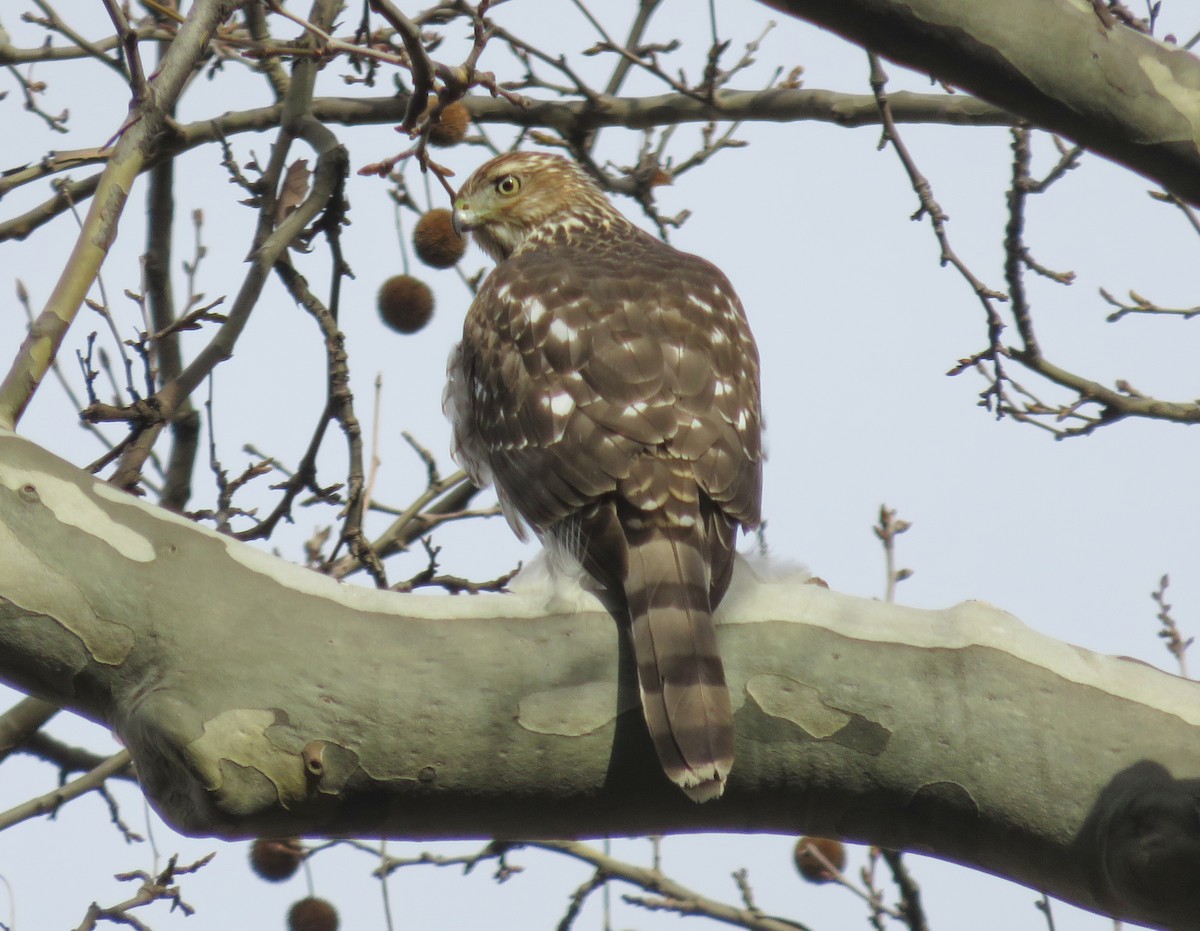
{"x": 462, "y": 219}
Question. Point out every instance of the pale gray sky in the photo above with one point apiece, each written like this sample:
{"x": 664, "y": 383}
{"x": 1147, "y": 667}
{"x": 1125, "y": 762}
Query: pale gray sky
{"x": 857, "y": 325}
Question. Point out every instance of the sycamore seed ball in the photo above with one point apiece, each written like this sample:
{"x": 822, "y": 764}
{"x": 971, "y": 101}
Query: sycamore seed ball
{"x": 276, "y": 859}
{"x": 451, "y": 126}
{"x": 811, "y": 866}
{"x": 405, "y": 303}
{"x": 435, "y": 241}
{"x": 312, "y": 914}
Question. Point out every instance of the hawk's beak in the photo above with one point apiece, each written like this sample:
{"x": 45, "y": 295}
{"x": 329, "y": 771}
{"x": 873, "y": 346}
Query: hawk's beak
{"x": 461, "y": 219}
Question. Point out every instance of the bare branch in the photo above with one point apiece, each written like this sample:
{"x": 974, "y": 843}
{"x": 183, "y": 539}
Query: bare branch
{"x": 50, "y": 802}
{"x": 887, "y": 530}
{"x": 21, "y": 721}
{"x": 157, "y": 888}
{"x": 1141, "y": 305}
{"x": 33, "y": 359}
{"x": 1168, "y": 631}
{"x": 669, "y": 894}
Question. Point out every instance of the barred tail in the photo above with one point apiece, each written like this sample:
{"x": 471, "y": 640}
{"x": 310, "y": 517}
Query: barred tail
{"x": 682, "y": 681}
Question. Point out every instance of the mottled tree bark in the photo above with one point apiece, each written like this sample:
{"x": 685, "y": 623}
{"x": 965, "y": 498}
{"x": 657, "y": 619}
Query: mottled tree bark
{"x": 258, "y": 697}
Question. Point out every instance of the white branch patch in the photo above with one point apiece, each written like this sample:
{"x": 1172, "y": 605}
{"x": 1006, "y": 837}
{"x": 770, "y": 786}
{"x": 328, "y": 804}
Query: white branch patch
{"x": 72, "y": 507}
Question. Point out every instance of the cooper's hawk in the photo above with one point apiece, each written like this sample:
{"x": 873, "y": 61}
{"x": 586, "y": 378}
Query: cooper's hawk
{"x": 608, "y": 384}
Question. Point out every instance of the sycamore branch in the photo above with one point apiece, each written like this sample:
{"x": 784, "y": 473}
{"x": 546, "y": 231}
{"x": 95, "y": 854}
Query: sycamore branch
{"x": 260, "y": 698}
{"x": 570, "y": 118}
{"x": 1056, "y": 63}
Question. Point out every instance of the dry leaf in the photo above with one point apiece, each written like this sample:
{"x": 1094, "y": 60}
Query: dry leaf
{"x": 295, "y": 189}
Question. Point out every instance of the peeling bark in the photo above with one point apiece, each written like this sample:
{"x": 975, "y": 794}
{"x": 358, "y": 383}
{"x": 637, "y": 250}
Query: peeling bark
{"x": 260, "y": 698}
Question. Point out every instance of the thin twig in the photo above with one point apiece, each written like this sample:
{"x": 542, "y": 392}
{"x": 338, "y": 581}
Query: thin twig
{"x": 1043, "y": 906}
{"x": 668, "y": 894}
{"x": 887, "y": 530}
{"x": 129, "y": 48}
{"x": 1168, "y": 630}
{"x": 52, "y": 801}
{"x": 912, "y": 913}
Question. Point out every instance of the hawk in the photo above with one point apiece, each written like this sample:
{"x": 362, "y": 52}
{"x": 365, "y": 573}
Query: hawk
{"x": 608, "y": 385}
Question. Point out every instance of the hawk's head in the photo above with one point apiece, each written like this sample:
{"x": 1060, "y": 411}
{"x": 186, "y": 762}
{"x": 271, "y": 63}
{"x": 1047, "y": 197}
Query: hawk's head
{"x": 524, "y": 194}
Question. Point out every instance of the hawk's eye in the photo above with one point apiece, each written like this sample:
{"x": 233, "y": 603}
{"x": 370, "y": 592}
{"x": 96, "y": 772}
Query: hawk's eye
{"x": 508, "y": 185}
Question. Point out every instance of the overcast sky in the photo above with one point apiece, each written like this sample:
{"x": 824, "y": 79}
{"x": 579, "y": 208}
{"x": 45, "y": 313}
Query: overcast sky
{"x": 857, "y": 326}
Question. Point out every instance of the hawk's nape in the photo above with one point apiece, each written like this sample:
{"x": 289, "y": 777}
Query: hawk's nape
{"x": 608, "y": 384}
